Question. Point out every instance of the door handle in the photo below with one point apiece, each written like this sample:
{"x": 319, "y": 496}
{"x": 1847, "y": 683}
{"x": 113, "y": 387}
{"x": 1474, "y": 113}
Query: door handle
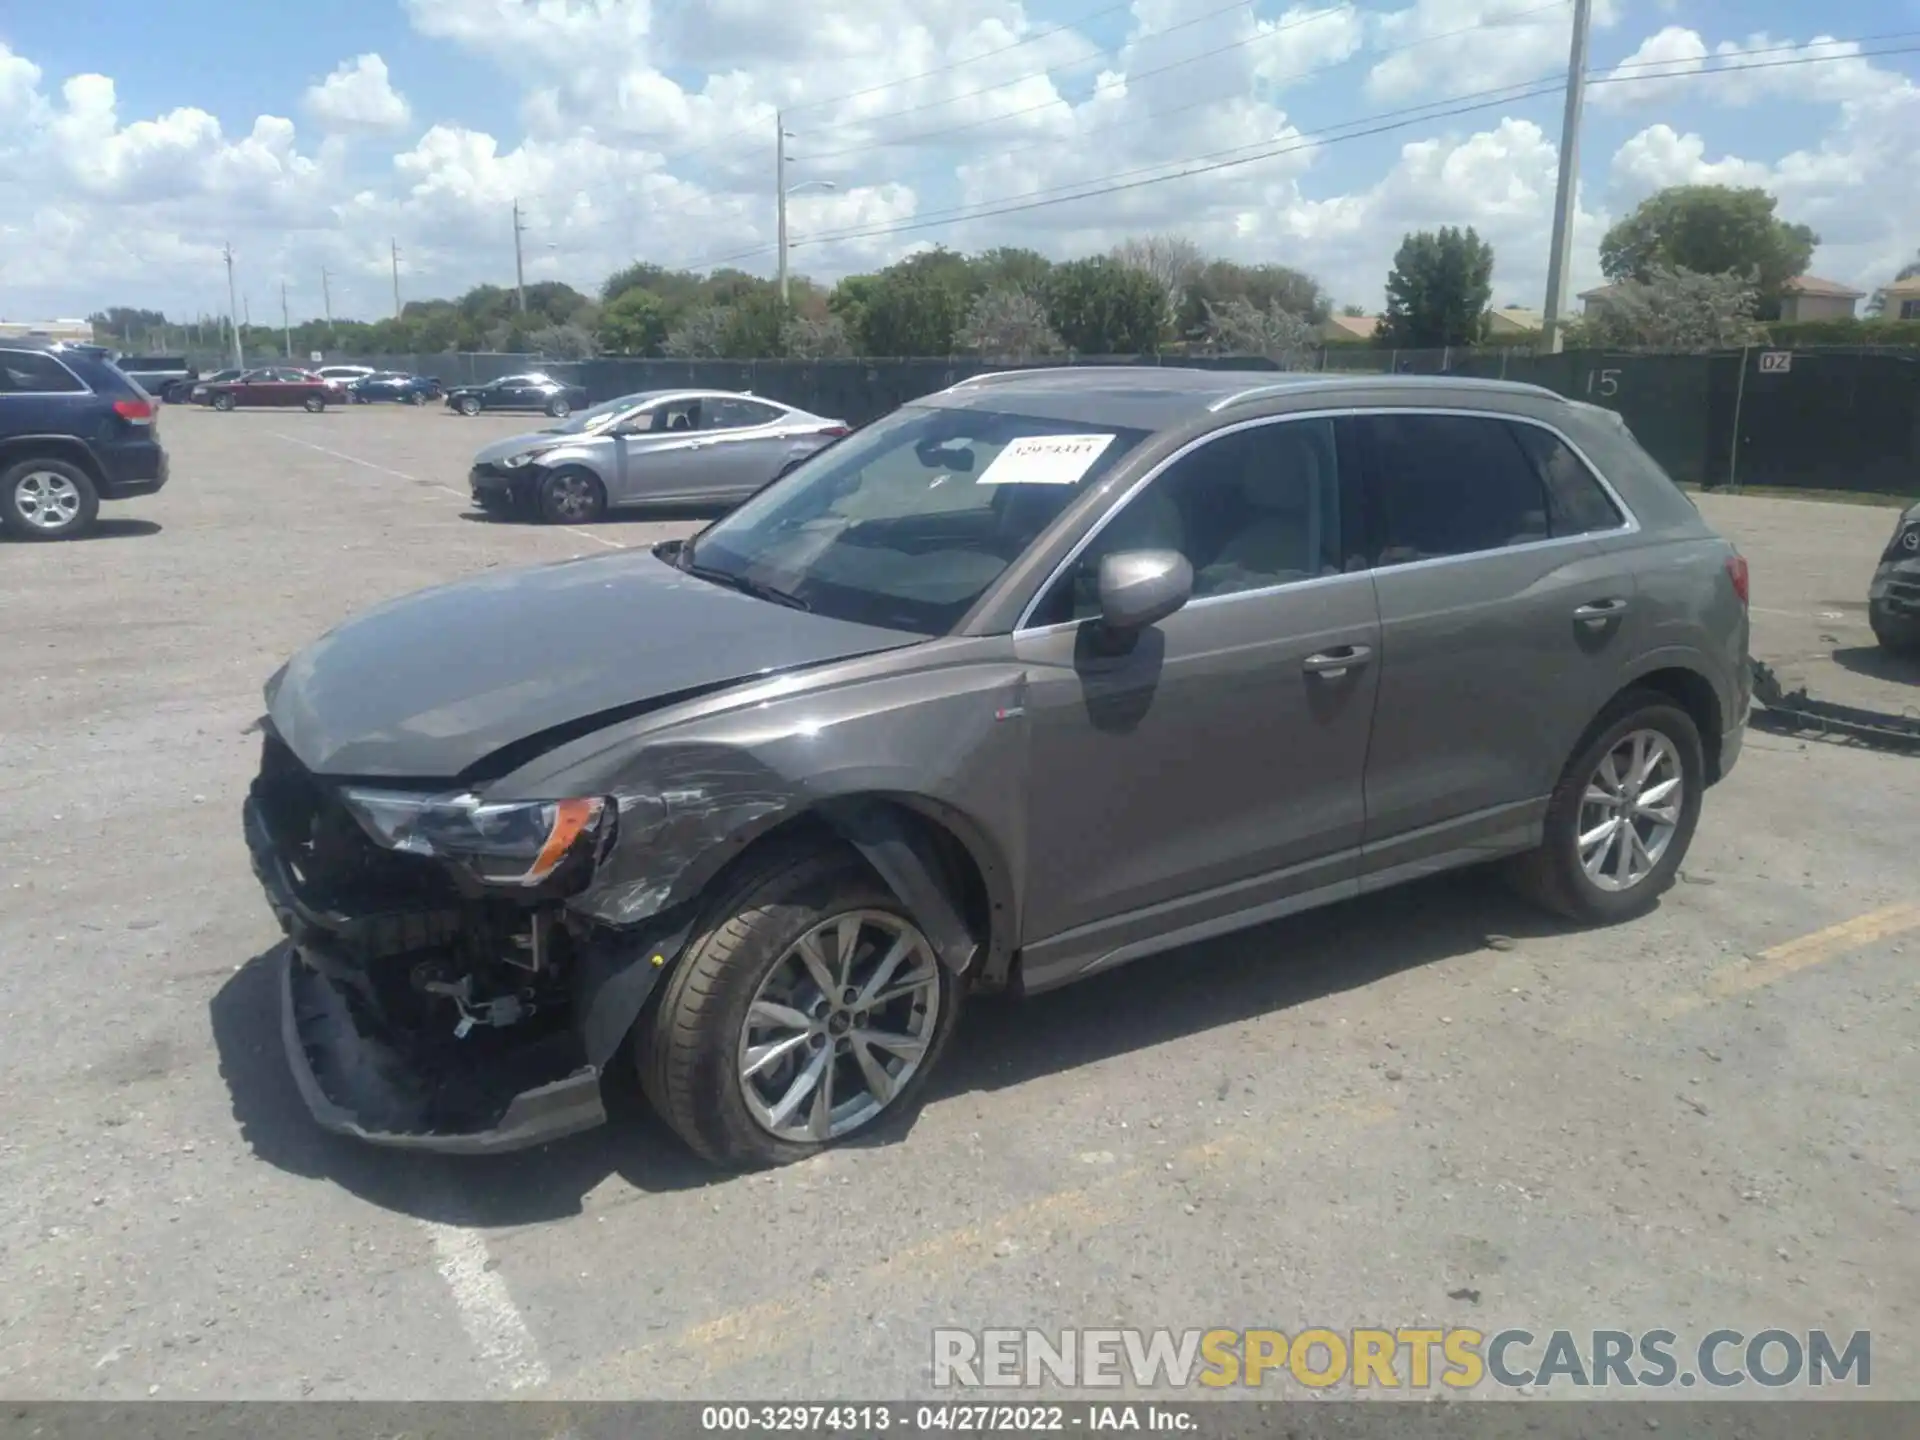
{"x": 1332, "y": 664}
{"x": 1600, "y": 611}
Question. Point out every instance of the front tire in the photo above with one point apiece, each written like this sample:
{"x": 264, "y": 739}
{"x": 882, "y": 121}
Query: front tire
{"x": 572, "y": 497}
{"x": 807, "y": 1006}
{"x": 1621, "y": 818}
{"x": 414, "y": 397}
{"x": 223, "y": 402}
{"x": 47, "y": 500}
{"x": 314, "y": 404}
{"x": 467, "y": 405}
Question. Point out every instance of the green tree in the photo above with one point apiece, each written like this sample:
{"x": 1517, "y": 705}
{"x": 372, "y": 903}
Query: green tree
{"x": 1676, "y": 310}
{"x": 1008, "y": 267}
{"x": 1711, "y": 230}
{"x": 1438, "y": 289}
{"x": 754, "y": 325}
{"x": 913, "y": 307}
{"x": 1101, "y": 307}
{"x": 634, "y": 322}
{"x": 1264, "y": 287}
{"x": 1008, "y": 323}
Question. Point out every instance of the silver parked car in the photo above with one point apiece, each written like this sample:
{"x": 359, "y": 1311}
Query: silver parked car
{"x": 1037, "y": 676}
{"x": 656, "y": 447}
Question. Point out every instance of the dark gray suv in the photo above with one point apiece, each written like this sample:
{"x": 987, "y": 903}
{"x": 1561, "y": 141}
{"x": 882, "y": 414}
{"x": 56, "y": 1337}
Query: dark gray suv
{"x": 1047, "y": 672}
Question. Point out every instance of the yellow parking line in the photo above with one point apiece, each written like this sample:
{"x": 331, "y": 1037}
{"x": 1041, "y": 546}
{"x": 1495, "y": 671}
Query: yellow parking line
{"x": 1742, "y": 977}
{"x": 754, "y": 1332}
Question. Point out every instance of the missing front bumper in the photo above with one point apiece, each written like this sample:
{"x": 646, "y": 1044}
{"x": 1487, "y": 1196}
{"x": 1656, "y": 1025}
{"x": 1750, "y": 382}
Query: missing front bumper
{"x": 355, "y": 1085}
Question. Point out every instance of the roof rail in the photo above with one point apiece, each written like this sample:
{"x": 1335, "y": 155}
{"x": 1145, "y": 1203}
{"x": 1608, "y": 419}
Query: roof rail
{"x": 1351, "y": 380}
{"x": 994, "y": 377}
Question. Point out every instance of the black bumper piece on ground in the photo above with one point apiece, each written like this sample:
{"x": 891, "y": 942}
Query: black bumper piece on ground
{"x": 493, "y": 1091}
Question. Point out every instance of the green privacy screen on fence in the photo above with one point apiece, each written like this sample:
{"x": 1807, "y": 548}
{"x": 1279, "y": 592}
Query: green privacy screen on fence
{"x": 1837, "y": 419}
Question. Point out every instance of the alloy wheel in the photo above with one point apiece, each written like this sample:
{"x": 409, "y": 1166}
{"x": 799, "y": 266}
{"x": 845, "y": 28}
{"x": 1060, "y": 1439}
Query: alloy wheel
{"x": 1630, "y": 810}
{"x": 46, "y": 499}
{"x": 572, "y": 496}
{"x": 839, "y": 1026}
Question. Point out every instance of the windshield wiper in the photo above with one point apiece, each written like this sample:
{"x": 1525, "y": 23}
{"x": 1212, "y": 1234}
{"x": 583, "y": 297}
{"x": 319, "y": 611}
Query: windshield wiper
{"x": 759, "y": 589}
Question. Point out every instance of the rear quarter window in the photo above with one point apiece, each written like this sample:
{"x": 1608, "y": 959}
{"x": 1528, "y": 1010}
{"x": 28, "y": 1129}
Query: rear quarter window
{"x": 1577, "y": 503}
{"x": 30, "y": 372}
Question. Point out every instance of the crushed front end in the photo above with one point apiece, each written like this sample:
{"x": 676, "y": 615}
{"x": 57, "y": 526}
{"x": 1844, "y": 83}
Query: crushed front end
{"x": 426, "y": 1001}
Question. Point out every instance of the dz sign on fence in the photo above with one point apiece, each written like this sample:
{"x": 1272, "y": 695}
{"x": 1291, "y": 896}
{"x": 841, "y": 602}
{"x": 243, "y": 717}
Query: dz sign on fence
{"x": 1776, "y": 362}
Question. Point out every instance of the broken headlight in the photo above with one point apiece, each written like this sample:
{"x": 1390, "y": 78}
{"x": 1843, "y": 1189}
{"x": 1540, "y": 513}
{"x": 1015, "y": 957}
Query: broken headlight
{"x": 511, "y": 843}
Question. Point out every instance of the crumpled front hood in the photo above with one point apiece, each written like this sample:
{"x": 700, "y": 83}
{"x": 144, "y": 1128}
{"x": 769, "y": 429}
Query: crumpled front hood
{"x": 424, "y": 686}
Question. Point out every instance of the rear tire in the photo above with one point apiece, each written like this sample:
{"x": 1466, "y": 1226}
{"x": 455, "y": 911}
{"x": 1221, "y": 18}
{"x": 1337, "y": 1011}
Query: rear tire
{"x": 1651, "y": 819}
{"x": 559, "y": 409}
{"x": 693, "y": 1047}
{"x": 47, "y": 499}
{"x": 572, "y": 496}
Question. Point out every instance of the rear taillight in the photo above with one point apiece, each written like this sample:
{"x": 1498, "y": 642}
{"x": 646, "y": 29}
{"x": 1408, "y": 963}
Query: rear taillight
{"x": 1737, "y": 572}
{"x": 134, "y": 412}
{"x": 837, "y": 431}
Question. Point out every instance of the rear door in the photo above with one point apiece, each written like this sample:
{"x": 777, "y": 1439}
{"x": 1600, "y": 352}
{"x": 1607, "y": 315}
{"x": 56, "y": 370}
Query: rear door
{"x": 1501, "y": 629}
{"x": 741, "y": 444}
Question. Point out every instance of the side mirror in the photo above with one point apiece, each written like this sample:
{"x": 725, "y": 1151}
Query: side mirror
{"x": 1139, "y": 588}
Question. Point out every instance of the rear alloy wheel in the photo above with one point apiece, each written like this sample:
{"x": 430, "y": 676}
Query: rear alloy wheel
{"x": 314, "y": 404}
{"x": 572, "y": 497}
{"x": 558, "y": 408}
{"x": 809, "y": 1006}
{"x": 1621, "y": 818}
{"x": 47, "y": 500}
{"x": 467, "y": 405}
{"x": 223, "y": 401}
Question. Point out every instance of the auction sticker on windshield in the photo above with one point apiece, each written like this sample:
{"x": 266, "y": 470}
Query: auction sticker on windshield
{"x": 1045, "y": 460}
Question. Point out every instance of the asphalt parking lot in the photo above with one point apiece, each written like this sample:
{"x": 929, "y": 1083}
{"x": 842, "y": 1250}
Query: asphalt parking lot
{"x": 1435, "y": 1106}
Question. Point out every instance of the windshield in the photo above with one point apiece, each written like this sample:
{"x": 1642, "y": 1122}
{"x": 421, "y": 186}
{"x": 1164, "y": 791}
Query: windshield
{"x": 906, "y": 523}
{"x": 605, "y": 413}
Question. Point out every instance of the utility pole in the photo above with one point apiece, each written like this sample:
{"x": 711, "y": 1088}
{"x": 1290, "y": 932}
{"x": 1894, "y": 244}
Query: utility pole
{"x": 519, "y": 269}
{"x": 286, "y": 321}
{"x": 233, "y": 326}
{"x": 395, "y": 246}
{"x": 780, "y": 190}
{"x": 1560, "y": 260}
{"x": 326, "y": 299}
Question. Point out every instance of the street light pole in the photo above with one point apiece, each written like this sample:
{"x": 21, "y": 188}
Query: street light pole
{"x": 394, "y": 246}
{"x": 326, "y": 298}
{"x": 519, "y": 268}
{"x": 233, "y": 312}
{"x": 286, "y": 322}
{"x": 1560, "y": 258}
{"x": 780, "y": 189}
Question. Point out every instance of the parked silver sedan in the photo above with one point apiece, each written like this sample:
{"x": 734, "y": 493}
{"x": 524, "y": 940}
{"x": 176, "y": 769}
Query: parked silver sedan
{"x": 684, "y": 447}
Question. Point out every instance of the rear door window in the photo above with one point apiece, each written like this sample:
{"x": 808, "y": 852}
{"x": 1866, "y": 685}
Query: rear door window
{"x": 30, "y": 372}
{"x": 727, "y": 412}
{"x": 1446, "y": 485}
{"x": 1578, "y": 503}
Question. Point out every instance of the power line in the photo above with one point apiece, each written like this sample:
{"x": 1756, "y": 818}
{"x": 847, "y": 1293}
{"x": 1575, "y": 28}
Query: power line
{"x": 1371, "y": 56}
{"x": 1099, "y": 186}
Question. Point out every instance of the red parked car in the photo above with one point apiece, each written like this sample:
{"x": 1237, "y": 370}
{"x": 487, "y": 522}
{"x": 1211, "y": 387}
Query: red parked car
{"x": 276, "y": 385}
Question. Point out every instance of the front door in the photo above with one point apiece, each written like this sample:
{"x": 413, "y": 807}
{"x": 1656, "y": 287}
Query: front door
{"x": 1210, "y": 774}
{"x": 1502, "y": 618}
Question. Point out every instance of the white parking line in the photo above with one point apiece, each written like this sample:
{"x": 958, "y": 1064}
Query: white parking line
{"x": 403, "y": 475}
{"x": 487, "y": 1312}
{"x": 367, "y": 464}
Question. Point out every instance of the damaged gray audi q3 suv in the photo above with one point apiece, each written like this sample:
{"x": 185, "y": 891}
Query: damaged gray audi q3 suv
{"x": 1043, "y": 673}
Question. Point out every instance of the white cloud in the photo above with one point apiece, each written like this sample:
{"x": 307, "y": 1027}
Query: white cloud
{"x": 633, "y": 128}
{"x": 1677, "y": 61}
{"x": 358, "y": 96}
{"x": 1457, "y": 47}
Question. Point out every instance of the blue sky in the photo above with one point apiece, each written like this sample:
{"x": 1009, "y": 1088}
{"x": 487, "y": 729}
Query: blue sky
{"x": 630, "y": 129}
